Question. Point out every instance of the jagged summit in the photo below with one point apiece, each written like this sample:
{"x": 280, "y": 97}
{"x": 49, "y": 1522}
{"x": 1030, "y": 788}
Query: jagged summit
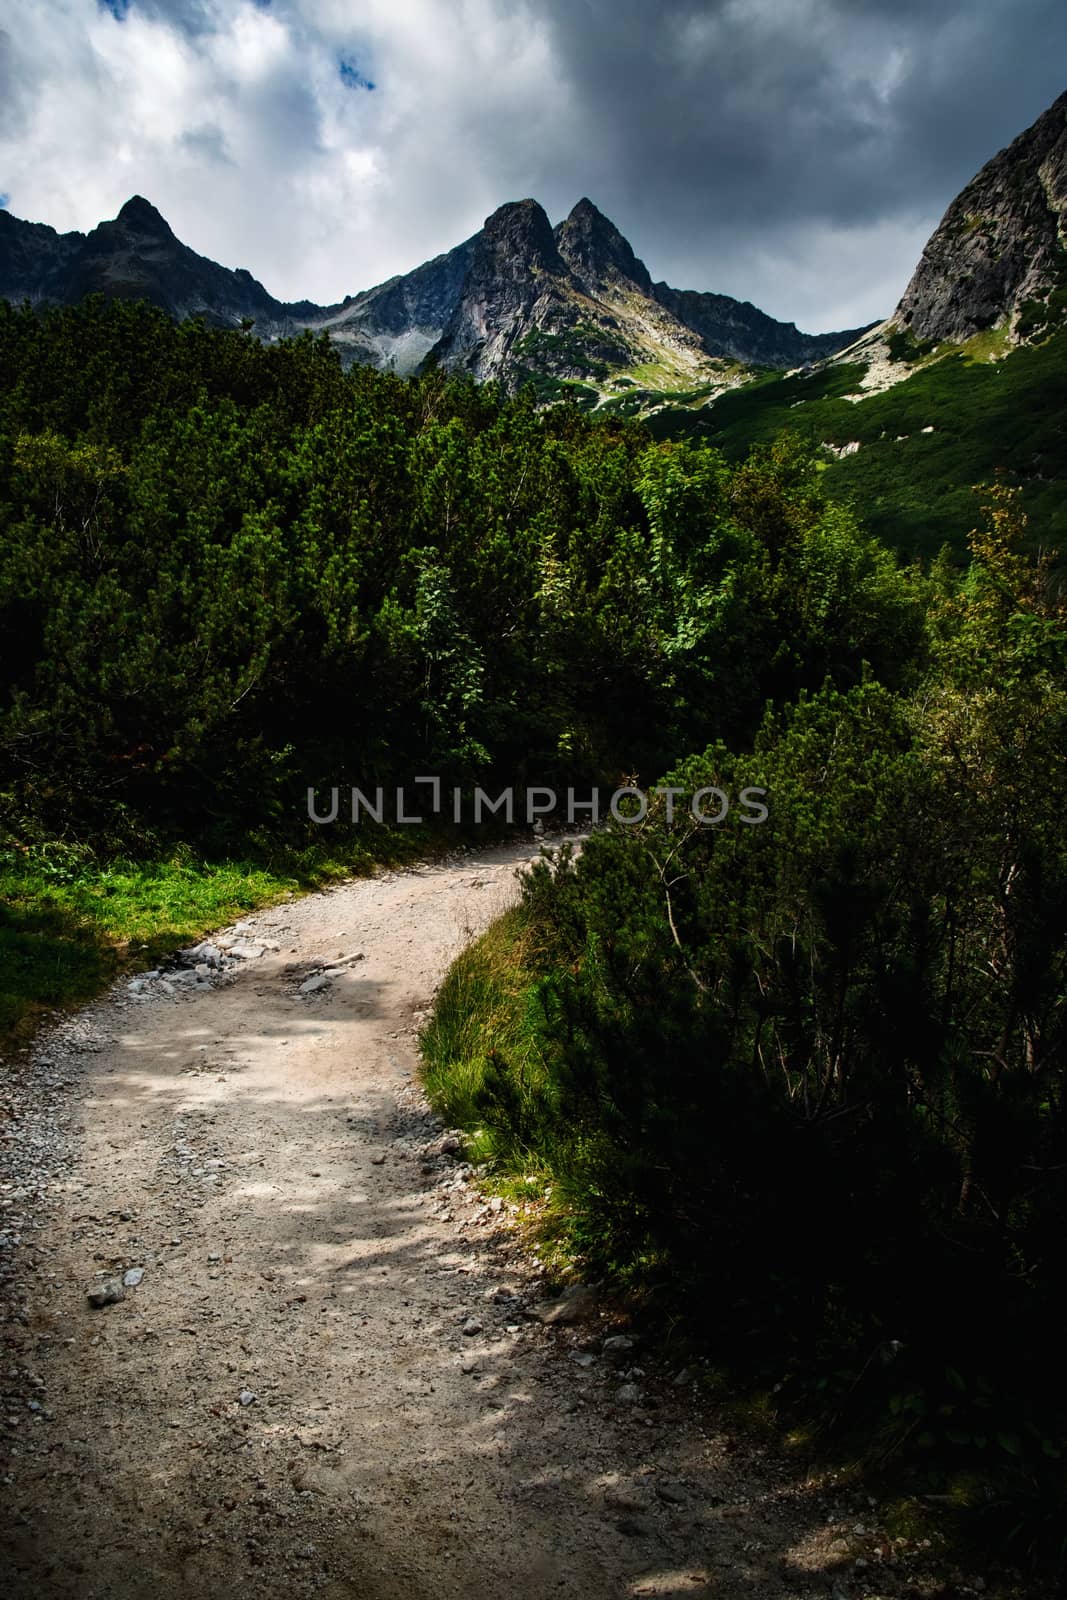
{"x": 139, "y": 214}
{"x": 518, "y": 238}
{"x": 596, "y": 251}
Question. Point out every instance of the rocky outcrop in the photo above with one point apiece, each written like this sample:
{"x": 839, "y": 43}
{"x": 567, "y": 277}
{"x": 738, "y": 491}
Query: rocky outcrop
{"x": 556, "y": 304}
{"x": 998, "y": 256}
{"x": 516, "y": 282}
{"x": 564, "y": 304}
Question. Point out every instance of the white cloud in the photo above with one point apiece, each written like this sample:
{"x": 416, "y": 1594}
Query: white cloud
{"x": 243, "y": 133}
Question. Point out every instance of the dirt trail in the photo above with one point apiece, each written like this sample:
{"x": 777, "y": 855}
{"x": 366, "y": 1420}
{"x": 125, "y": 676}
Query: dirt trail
{"x": 329, "y": 1381}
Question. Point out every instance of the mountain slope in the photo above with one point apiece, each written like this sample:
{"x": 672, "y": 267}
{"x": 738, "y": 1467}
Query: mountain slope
{"x": 966, "y": 381}
{"x": 909, "y": 456}
{"x": 397, "y": 323}
{"x": 998, "y": 255}
{"x": 739, "y": 331}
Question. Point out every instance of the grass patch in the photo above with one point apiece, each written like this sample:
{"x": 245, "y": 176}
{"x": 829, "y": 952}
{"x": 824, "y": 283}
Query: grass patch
{"x": 482, "y": 1017}
{"x": 479, "y": 1016}
{"x": 992, "y": 344}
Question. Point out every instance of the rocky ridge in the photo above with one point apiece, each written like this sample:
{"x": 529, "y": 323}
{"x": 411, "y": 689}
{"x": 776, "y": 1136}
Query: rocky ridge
{"x": 517, "y": 300}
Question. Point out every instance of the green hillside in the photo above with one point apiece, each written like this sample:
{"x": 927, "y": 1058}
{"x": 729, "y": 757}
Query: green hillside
{"x": 913, "y": 488}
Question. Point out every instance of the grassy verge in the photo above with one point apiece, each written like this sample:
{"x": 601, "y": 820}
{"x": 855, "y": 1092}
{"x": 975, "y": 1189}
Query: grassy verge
{"x": 480, "y": 1013}
{"x": 482, "y": 1017}
{"x": 70, "y": 921}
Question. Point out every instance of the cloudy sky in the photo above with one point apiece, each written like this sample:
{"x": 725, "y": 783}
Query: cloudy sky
{"x": 796, "y": 153}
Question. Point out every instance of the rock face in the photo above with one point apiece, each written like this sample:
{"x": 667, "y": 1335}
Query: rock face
{"x": 519, "y": 300}
{"x": 395, "y": 325}
{"x": 998, "y": 257}
{"x": 575, "y": 303}
{"x": 597, "y": 253}
{"x": 740, "y": 332}
{"x": 516, "y": 282}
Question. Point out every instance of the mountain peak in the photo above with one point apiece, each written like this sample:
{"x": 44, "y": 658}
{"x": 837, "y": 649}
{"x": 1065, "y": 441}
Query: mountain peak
{"x": 520, "y": 233}
{"x": 596, "y": 251}
{"x": 586, "y": 209}
{"x": 142, "y": 215}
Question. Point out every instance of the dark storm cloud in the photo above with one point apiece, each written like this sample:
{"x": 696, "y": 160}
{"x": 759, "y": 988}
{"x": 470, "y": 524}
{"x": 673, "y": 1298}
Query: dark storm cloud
{"x": 837, "y": 108}
{"x": 715, "y": 129}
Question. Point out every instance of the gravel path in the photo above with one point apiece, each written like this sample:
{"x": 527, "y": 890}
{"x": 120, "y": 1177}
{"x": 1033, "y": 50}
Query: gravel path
{"x": 333, "y": 1377}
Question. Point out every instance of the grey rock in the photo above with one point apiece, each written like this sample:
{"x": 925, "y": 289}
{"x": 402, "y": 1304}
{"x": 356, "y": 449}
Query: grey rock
{"x": 132, "y": 1277}
{"x": 577, "y": 1302}
{"x": 618, "y": 1344}
{"x": 471, "y": 1327}
{"x": 1000, "y": 243}
{"x": 245, "y": 951}
{"x": 107, "y": 1293}
{"x": 313, "y": 985}
{"x": 627, "y": 1394}
{"x": 737, "y": 330}
{"x": 246, "y": 1397}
